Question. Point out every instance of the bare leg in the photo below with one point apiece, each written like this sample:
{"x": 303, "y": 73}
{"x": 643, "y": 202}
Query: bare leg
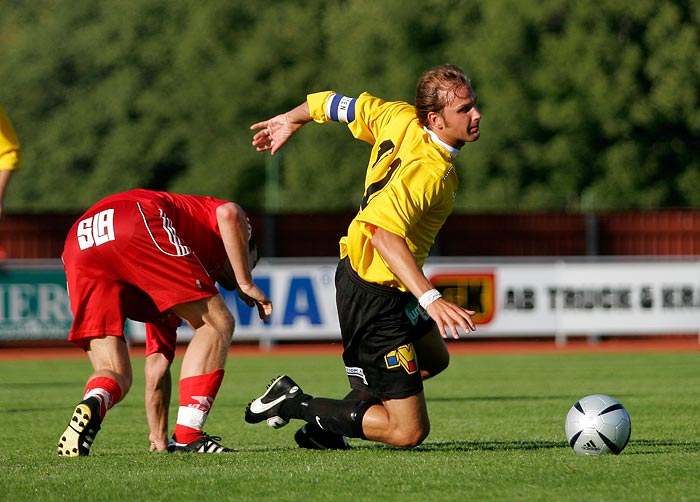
{"x": 398, "y": 422}
{"x": 109, "y": 356}
{"x": 213, "y": 326}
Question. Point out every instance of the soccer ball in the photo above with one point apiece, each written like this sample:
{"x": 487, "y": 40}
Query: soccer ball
{"x": 598, "y": 424}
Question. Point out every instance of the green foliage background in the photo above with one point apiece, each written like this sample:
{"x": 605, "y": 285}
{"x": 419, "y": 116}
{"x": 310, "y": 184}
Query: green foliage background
{"x": 586, "y": 105}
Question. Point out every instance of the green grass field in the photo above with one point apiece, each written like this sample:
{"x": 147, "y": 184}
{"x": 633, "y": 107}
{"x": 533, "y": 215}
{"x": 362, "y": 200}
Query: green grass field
{"x": 497, "y": 434}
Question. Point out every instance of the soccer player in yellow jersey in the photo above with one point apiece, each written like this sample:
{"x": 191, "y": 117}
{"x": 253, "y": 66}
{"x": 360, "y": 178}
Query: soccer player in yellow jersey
{"x": 10, "y": 155}
{"x": 392, "y": 320}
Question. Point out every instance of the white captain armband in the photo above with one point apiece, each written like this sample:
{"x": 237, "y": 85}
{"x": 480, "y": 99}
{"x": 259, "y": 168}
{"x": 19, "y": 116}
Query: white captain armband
{"x": 340, "y": 108}
{"x": 429, "y": 297}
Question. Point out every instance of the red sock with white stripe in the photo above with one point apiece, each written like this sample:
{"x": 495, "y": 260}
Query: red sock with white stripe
{"x": 197, "y": 396}
{"x": 105, "y": 389}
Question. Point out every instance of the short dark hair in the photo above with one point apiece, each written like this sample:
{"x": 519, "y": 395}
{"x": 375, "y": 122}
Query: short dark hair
{"x": 434, "y": 88}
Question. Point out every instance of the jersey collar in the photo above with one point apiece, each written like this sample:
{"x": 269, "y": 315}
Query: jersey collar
{"x": 452, "y": 150}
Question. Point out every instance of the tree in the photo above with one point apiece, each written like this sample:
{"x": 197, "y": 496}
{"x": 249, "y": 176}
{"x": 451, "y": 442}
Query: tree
{"x": 583, "y": 108}
{"x": 598, "y": 108}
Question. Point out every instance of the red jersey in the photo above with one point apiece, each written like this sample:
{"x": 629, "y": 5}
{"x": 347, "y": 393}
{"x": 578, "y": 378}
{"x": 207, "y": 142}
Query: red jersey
{"x": 193, "y": 216}
{"x": 138, "y": 253}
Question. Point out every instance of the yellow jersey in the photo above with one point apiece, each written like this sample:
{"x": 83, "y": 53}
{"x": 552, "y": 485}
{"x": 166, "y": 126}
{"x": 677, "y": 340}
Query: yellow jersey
{"x": 410, "y": 182}
{"x": 10, "y": 153}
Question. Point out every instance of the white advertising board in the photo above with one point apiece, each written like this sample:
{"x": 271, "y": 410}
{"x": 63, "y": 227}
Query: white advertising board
{"x": 512, "y": 298}
{"x": 569, "y": 298}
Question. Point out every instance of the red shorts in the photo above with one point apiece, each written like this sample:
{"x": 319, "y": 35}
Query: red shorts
{"x": 161, "y": 337}
{"x": 124, "y": 259}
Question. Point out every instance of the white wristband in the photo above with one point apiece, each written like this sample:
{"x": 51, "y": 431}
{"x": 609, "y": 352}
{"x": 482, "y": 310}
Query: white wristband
{"x": 429, "y": 297}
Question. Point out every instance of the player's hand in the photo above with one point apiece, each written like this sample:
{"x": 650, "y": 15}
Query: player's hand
{"x": 273, "y": 133}
{"x": 450, "y": 318}
{"x": 254, "y": 297}
{"x": 159, "y": 442}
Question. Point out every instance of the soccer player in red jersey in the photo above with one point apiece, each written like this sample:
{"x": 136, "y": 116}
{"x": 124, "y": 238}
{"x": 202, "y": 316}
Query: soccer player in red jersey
{"x": 392, "y": 319}
{"x": 155, "y": 257}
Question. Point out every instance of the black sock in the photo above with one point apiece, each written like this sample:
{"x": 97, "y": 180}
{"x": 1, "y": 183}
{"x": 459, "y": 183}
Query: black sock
{"x": 339, "y": 416}
{"x": 291, "y": 408}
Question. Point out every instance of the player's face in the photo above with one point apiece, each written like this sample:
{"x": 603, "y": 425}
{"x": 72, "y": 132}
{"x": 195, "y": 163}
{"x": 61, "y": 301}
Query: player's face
{"x": 460, "y": 118}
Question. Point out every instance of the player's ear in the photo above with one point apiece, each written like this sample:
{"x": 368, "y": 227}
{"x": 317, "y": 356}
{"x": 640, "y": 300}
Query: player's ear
{"x": 434, "y": 120}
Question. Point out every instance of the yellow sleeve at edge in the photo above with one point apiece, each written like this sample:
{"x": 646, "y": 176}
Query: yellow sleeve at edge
{"x": 10, "y": 152}
{"x": 317, "y": 106}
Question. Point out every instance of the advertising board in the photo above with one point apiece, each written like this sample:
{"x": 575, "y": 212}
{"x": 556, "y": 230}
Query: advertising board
{"x": 538, "y": 297}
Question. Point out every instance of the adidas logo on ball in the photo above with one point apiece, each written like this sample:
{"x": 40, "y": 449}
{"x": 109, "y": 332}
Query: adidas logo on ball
{"x": 590, "y": 446}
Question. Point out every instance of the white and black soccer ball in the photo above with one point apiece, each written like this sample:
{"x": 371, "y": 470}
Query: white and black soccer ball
{"x": 598, "y": 424}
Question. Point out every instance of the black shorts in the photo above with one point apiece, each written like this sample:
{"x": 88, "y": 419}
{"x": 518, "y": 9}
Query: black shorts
{"x": 379, "y": 325}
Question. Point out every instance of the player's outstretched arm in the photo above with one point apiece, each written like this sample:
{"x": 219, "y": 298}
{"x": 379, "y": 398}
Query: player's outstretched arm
{"x": 273, "y": 133}
{"x": 447, "y": 315}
